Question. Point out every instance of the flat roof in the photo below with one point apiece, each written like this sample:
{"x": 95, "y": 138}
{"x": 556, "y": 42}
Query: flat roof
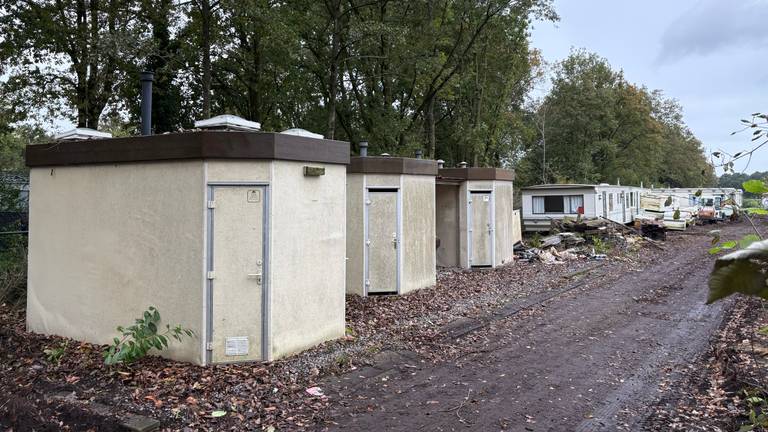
{"x": 476, "y": 173}
{"x": 560, "y": 186}
{"x": 575, "y": 186}
{"x": 392, "y": 165}
{"x": 189, "y": 145}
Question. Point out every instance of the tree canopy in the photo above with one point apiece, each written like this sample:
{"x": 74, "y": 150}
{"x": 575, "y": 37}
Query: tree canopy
{"x": 595, "y": 126}
{"x": 736, "y": 180}
{"x": 451, "y": 78}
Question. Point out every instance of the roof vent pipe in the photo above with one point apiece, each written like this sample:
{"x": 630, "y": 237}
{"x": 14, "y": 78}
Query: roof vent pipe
{"x": 440, "y": 163}
{"x": 418, "y": 153}
{"x": 463, "y": 164}
{"x": 363, "y": 148}
{"x": 146, "y": 102}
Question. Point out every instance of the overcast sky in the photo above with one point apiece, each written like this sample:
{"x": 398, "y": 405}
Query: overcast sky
{"x": 710, "y": 55}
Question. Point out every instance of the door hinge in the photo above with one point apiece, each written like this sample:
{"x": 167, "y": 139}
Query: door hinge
{"x": 210, "y": 275}
{"x": 209, "y": 346}
{"x": 211, "y": 204}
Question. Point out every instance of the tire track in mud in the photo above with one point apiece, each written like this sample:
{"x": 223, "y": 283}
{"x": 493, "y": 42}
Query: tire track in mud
{"x": 583, "y": 358}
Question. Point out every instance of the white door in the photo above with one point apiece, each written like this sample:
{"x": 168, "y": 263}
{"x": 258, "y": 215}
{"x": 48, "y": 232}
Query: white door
{"x": 605, "y": 205}
{"x": 623, "y": 207}
{"x": 481, "y": 223}
{"x": 236, "y": 274}
{"x": 382, "y": 241}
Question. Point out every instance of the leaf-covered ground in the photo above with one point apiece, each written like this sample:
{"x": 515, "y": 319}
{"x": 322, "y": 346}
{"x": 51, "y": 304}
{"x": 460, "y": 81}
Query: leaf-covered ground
{"x": 78, "y": 392}
{"x": 712, "y": 397}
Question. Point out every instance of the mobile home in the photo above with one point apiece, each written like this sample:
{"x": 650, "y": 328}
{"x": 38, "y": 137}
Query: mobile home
{"x": 543, "y": 203}
{"x": 687, "y": 196}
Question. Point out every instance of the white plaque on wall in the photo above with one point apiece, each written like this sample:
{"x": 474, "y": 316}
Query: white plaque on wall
{"x": 236, "y": 346}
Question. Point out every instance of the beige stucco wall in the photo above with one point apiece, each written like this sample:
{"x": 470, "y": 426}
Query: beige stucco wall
{"x": 307, "y": 256}
{"x": 306, "y": 249}
{"x": 248, "y": 171}
{"x": 503, "y": 219}
{"x": 503, "y": 196}
{"x": 517, "y": 228}
{"x": 107, "y": 241}
{"x": 419, "y": 254}
{"x": 447, "y": 224}
{"x": 463, "y": 221}
{"x": 417, "y": 236}
{"x": 355, "y": 234}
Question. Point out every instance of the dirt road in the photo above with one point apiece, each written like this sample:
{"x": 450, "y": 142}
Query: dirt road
{"x": 591, "y": 358}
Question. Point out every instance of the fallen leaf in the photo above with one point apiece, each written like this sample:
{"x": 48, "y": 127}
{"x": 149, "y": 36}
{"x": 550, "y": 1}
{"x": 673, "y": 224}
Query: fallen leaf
{"x": 315, "y": 391}
{"x": 158, "y": 403}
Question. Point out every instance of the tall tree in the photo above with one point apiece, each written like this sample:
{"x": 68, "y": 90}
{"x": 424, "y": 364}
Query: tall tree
{"x": 600, "y": 128}
{"x": 163, "y": 58}
{"x": 67, "y": 50}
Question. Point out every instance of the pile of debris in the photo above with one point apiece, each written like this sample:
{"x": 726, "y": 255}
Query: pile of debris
{"x": 586, "y": 239}
{"x": 557, "y": 249}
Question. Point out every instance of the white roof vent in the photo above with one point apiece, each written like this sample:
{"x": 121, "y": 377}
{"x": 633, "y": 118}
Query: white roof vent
{"x": 81, "y": 134}
{"x": 228, "y": 122}
{"x": 302, "y": 132}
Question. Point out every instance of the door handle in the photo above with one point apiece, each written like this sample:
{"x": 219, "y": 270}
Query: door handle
{"x": 256, "y": 276}
{"x": 394, "y": 241}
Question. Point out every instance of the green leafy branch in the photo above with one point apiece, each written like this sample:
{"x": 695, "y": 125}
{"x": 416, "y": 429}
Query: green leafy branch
{"x": 757, "y": 411}
{"x": 138, "y": 339}
{"x": 746, "y": 270}
{"x": 759, "y": 126}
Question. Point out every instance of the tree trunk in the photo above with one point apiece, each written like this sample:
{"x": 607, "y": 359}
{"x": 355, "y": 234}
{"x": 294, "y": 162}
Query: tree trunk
{"x": 205, "y": 45}
{"x": 430, "y": 120}
{"x": 334, "y": 9}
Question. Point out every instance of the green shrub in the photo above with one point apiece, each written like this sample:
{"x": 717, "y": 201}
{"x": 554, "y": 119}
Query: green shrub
{"x": 536, "y": 240}
{"x": 54, "y": 353}
{"x": 138, "y": 339}
{"x": 751, "y": 203}
{"x": 599, "y": 245}
{"x": 13, "y": 247}
{"x": 13, "y": 268}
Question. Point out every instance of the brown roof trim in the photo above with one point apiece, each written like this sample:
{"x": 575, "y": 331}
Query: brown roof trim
{"x": 392, "y": 165}
{"x": 477, "y": 173}
{"x": 190, "y": 145}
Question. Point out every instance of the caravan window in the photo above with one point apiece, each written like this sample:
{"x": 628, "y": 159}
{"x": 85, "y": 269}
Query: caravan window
{"x": 567, "y": 204}
{"x": 610, "y": 202}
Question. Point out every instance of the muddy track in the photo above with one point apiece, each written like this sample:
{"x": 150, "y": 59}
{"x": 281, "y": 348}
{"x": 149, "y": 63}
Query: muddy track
{"x": 588, "y": 357}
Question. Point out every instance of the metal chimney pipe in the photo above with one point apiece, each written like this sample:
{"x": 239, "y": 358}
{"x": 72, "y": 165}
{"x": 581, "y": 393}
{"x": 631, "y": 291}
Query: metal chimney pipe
{"x": 440, "y": 164}
{"x": 146, "y": 102}
{"x": 418, "y": 153}
{"x": 463, "y": 164}
{"x": 363, "y": 148}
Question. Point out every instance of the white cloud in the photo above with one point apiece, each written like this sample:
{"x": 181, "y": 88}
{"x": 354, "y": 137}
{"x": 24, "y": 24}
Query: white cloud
{"x": 715, "y": 25}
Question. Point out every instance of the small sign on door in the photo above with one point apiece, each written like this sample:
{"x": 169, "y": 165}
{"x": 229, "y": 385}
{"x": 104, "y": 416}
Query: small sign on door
{"x": 486, "y": 198}
{"x": 254, "y": 195}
